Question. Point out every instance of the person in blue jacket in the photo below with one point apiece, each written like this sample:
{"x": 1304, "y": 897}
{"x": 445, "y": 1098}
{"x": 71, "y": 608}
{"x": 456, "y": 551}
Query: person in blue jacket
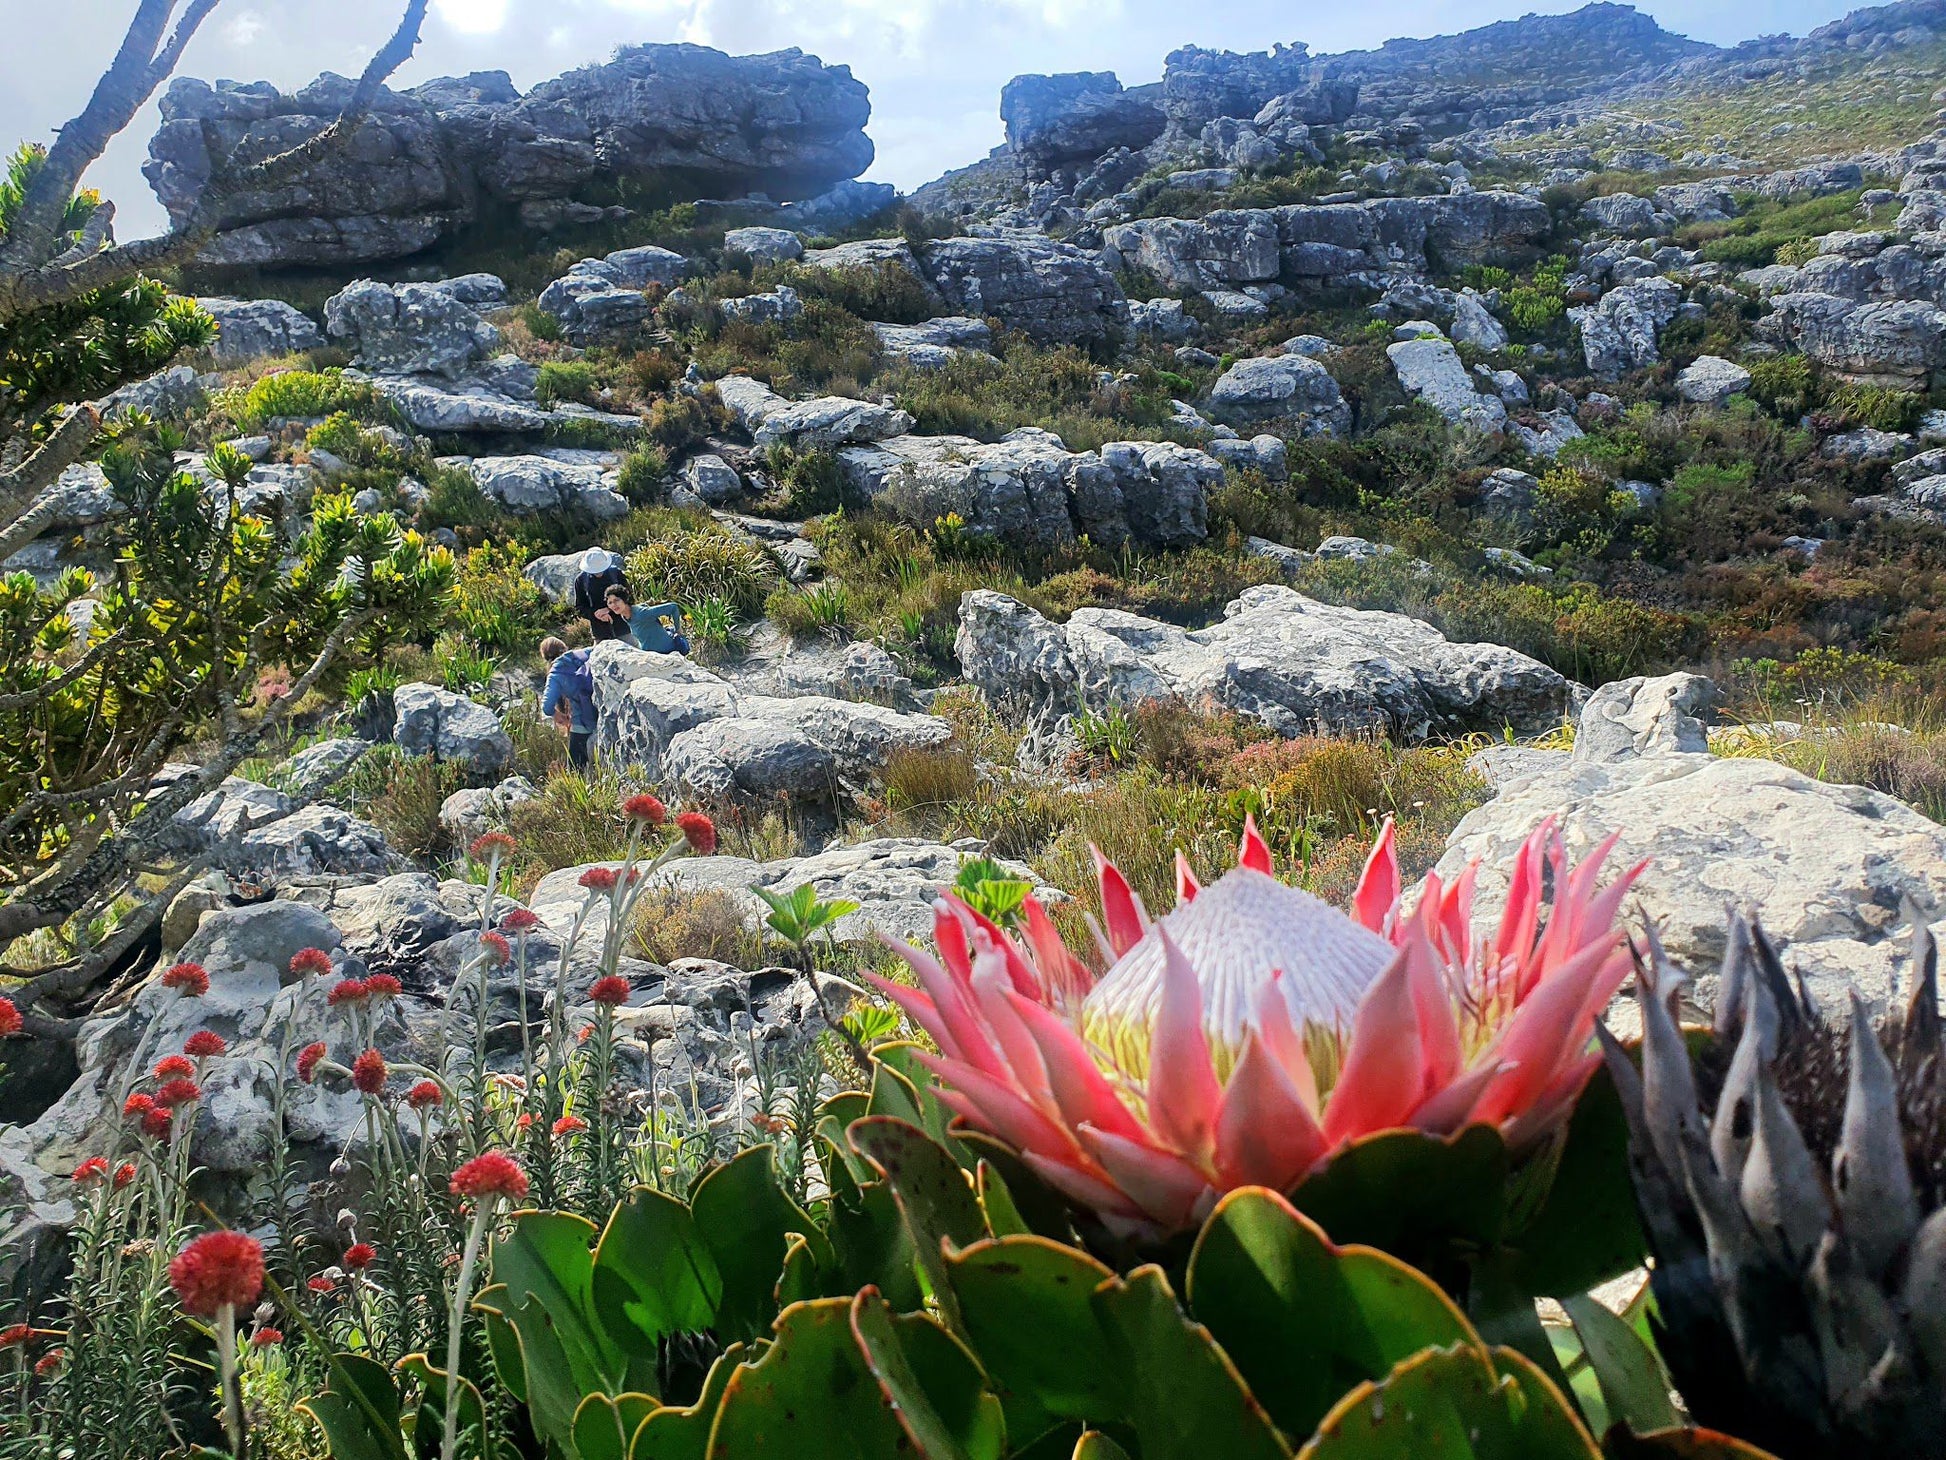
{"x": 570, "y": 696}
{"x": 657, "y": 627}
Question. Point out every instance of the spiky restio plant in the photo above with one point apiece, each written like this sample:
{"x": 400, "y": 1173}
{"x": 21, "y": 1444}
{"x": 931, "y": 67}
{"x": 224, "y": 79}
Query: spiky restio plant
{"x": 1791, "y": 1175}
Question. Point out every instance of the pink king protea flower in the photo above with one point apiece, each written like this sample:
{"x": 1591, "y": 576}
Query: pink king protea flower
{"x": 1254, "y": 1031}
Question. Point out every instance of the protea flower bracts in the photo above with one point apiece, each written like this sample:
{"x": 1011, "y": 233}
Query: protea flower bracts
{"x": 1253, "y": 1031}
{"x": 1792, "y": 1180}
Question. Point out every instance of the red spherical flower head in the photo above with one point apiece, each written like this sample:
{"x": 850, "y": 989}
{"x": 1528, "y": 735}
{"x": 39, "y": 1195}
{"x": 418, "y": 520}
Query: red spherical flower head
{"x": 348, "y": 991}
{"x": 322, "y": 1283}
{"x": 611, "y": 990}
{"x": 205, "y": 1044}
{"x": 360, "y": 1255}
{"x": 383, "y": 986}
{"x": 599, "y": 879}
{"x": 137, "y": 1106}
{"x": 155, "y": 1125}
{"x": 92, "y": 1169}
{"x": 179, "y": 1091}
{"x": 523, "y": 1122}
{"x": 567, "y": 1125}
{"x": 124, "y": 1174}
{"x": 699, "y": 831}
{"x": 173, "y": 1067}
{"x": 368, "y": 1072}
{"x": 488, "y": 843}
{"x": 490, "y": 1175}
{"x": 646, "y": 808}
{"x": 307, "y": 961}
{"x": 49, "y": 1362}
{"x": 266, "y": 1338}
{"x": 10, "y": 1020}
{"x": 307, "y": 1061}
{"x": 218, "y": 1270}
{"x": 498, "y": 950}
{"x": 520, "y": 920}
{"x": 425, "y": 1095}
{"x": 189, "y": 979}
{"x": 15, "y": 1336}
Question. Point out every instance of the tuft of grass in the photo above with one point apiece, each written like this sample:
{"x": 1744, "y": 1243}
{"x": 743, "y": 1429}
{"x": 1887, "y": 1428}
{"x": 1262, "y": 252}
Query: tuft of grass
{"x": 672, "y": 923}
{"x": 695, "y": 566}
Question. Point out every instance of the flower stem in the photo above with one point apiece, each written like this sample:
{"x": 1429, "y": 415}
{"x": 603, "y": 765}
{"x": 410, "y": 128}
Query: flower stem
{"x": 232, "y": 1388}
{"x": 476, "y": 1234}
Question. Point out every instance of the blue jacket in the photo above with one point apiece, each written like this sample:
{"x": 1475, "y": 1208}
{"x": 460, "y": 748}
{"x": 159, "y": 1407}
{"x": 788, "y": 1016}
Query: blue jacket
{"x": 652, "y": 633}
{"x": 570, "y": 683}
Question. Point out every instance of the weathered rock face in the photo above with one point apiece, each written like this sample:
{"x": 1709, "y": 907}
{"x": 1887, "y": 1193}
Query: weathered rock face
{"x": 1051, "y": 291}
{"x": 565, "y": 478}
{"x": 707, "y": 739}
{"x": 1430, "y": 369}
{"x": 436, "y": 722}
{"x": 1333, "y": 244}
{"x": 1290, "y": 662}
{"x": 1293, "y": 388}
{"x": 820, "y": 423}
{"x": 409, "y": 329}
{"x": 1900, "y": 343}
{"x": 1830, "y": 869}
{"x": 603, "y": 297}
{"x": 257, "y": 831}
{"x": 1620, "y": 333}
{"x": 248, "y": 329}
{"x": 1029, "y": 488}
{"x": 1075, "y": 117}
{"x": 664, "y": 118}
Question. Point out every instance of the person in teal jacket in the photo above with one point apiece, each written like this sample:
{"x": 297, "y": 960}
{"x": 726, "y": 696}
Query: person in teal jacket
{"x": 657, "y": 627}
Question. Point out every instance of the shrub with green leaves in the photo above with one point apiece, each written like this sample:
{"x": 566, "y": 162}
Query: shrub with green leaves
{"x": 300, "y": 395}
{"x": 691, "y": 567}
{"x": 642, "y": 472}
{"x": 566, "y": 380}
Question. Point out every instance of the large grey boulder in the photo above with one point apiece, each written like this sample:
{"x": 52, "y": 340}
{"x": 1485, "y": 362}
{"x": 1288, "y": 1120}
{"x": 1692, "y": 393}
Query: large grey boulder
{"x": 817, "y": 424}
{"x": 1055, "y": 121}
{"x": 1052, "y": 292}
{"x": 1710, "y": 380}
{"x": 1293, "y": 388}
{"x": 705, "y": 738}
{"x": 1620, "y": 333}
{"x": 471, "y": 810}
{"x": 1289, "y": 662}
{"x": 428, "y": 162}
{"x": 1836, "y": 872}
{"x": 256, "y": 831}
{"x": 408, "y": 329}
{"x": 1430, "y": 369}
{"x": 935, "y": 342}
{"x": 1028, "y": 488}
{"x": 601, "y": 298}
{"x": 534, "y": 483}
{"x": 249, "y": 329}
{"x": 432, "y": 721}
{"x": 1898, "y": 343}
{"x": 764, "y": 245}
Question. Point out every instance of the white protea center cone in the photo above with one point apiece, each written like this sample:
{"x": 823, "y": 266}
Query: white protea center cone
{"x": 1238, "y": 933}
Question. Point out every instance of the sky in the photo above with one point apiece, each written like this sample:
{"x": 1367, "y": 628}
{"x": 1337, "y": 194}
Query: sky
{"x": 935, "y": 67}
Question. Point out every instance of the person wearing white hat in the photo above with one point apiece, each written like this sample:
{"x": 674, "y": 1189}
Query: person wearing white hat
{"x": 600, "y": 571}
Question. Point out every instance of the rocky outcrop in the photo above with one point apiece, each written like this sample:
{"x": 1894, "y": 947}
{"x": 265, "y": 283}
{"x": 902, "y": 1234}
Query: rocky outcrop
{"x": 685, "y": 727}
{"x": 1835, "y": 871}
{"x": 1289, "y": 388}
{"x": 1335, "y": 244}
{"x": 432, "y": 721}
{"x": 1029, "y": 489}
{"x": 1055, "y": 121}
{"x": 409, "y": 329}
{"x": 656, "y": 118}
{"x": 1900, "y": 343}
{"x": 563, "y": 478}
{"x": 1052, "y": 292}
{"x": 249, "y": 329}
{"x": 256, "y": 831}
{"x": 820, "y": 423}
{"x": 1430, "y": 370}
{"x": 1621, "y": 332}
{"x": 1289, "y": 662}
{"x": 598, "y": 298}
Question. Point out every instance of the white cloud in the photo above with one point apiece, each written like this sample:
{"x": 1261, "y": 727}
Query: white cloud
{"x": 472, "y": 17}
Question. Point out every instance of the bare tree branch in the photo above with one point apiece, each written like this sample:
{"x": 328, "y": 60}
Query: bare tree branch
{"x": 78, "y": 975}
{"x": 68, "y": 444}
{"x": 36, "y": 288}
{"x": 127, "y": 83}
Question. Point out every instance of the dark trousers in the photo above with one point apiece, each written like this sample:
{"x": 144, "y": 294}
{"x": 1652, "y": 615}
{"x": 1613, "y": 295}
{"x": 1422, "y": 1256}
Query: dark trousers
{"x": 578, "y": 747}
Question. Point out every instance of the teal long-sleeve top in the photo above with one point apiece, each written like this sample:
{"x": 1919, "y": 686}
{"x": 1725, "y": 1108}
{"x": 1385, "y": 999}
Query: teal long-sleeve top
{"x": 655, "y": 626}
